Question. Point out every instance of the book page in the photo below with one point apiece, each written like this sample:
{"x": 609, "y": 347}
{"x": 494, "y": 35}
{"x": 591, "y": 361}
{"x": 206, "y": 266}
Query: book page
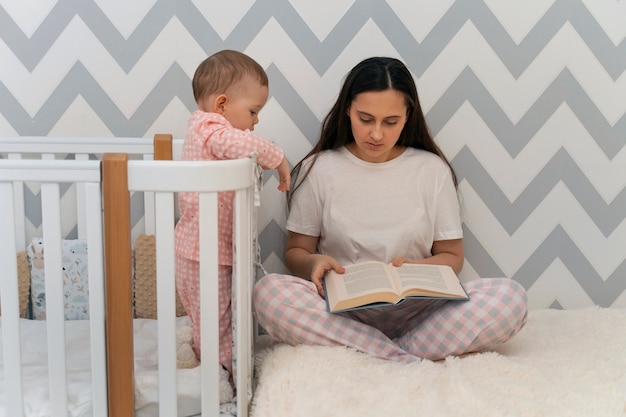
{"x": 431, "y": 279}
{"x": 372, "y": 282}
{"x": 421, "y": 277}
{"x": 361, "y": 284}
{"x": 365, "y": 277}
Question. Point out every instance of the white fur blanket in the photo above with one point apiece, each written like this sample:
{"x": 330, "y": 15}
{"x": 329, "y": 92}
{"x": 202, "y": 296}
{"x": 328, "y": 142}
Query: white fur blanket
{"x": 563, "y": 363}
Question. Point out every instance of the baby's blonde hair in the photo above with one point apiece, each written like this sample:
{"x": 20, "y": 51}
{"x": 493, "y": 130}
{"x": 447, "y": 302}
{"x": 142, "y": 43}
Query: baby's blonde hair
{"x": 219, "y": 72}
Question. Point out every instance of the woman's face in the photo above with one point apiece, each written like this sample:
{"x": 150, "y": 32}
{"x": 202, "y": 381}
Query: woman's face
{"x": 377, "y": 119}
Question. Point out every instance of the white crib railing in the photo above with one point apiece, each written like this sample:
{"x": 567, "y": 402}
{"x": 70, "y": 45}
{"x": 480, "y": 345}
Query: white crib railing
{"x": 50, "y": 174}
{"x": 79, "y": 148}
{"x": 158, "y": 182}
{"x": 164, "y": 178}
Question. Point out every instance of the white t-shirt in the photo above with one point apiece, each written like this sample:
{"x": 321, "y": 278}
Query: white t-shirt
{"x": 376, "y": 211}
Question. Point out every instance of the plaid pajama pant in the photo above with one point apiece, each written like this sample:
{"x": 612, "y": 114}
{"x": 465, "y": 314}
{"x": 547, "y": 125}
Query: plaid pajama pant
{"x": 292, "y": 312}
{"x": 187, "y": 284}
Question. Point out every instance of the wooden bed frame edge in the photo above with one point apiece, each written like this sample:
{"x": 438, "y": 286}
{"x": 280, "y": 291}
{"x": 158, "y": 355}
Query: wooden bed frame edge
{"x": 118, "y": 285}
{"x": 118, "y": 277}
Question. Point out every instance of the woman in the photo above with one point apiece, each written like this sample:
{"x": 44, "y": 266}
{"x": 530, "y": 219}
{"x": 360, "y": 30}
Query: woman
{"x": 377, "y": 187}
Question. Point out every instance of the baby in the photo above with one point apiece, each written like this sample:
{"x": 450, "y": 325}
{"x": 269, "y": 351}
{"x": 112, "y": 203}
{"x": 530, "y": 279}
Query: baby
{"x": 230, "y": 89}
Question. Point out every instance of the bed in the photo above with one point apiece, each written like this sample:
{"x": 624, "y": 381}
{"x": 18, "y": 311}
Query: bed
{"x": 142, "y": 378}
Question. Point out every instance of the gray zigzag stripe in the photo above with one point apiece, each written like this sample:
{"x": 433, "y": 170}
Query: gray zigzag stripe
{"x": 478, "y": 257}
{"x": 272, "y": 240}
{"x": 467, "y": 87}
{"x": 80, "y": 82}
{"x": 292, "y": 103}
{"x": 558, "y": 245}
{"x": 174, "y": 83}
{"x": 321, "y": 54}
{"x": 126, "y": 52}
{"x": 32, "y": 207}
{"x": 561, "y": 168}
{"x": 564, "y": 89}
{"x": 32, "y": 204}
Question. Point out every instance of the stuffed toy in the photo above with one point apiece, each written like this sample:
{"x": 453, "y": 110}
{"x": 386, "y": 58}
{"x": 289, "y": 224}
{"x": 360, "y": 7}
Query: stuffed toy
{"x": 186, "y": 358}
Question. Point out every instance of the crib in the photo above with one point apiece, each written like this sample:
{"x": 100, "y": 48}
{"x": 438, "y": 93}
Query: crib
{"x": 103, "y": 198}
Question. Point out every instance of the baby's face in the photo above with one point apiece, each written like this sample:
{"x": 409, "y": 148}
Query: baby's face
{"x": 244, "y": 103}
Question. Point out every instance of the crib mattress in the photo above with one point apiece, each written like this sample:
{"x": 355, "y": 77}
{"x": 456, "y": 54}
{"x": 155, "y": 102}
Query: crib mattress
{"x": 34, "y": 359}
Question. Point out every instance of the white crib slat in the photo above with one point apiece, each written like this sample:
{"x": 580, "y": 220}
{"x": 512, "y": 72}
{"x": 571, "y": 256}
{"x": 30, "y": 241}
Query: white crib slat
{"x": 177, "y": 149}
{"x": 20, "y": 223}
{"x": 209, "y": 301}
{"x": 81, "y": 214}
{"x": 51, "y": 219}
{"x": 93, "y": 218}
{"x": 243, "y": 280}
{"x": 148, "y": 206}
{"x": 166, "y": 303}
{"x": 80, "y": 203}
{"x": 10, "y": 305}
{"x": 20, "y": 219}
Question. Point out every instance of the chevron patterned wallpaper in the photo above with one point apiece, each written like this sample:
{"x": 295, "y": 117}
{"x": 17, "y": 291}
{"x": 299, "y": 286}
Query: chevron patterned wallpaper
{"x": 528, "y": 100}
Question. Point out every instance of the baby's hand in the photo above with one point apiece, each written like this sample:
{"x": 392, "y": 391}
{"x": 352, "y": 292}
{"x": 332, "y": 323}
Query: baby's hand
{"x": 284, "y": 175}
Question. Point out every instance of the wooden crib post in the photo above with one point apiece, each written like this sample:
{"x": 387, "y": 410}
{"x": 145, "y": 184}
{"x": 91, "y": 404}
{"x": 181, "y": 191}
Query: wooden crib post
{"x": 163, "y": 147}
{"x": 118, "y": 285}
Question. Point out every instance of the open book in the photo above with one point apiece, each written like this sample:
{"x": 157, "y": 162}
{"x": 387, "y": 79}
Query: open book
{"x": 373, "y": 284}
